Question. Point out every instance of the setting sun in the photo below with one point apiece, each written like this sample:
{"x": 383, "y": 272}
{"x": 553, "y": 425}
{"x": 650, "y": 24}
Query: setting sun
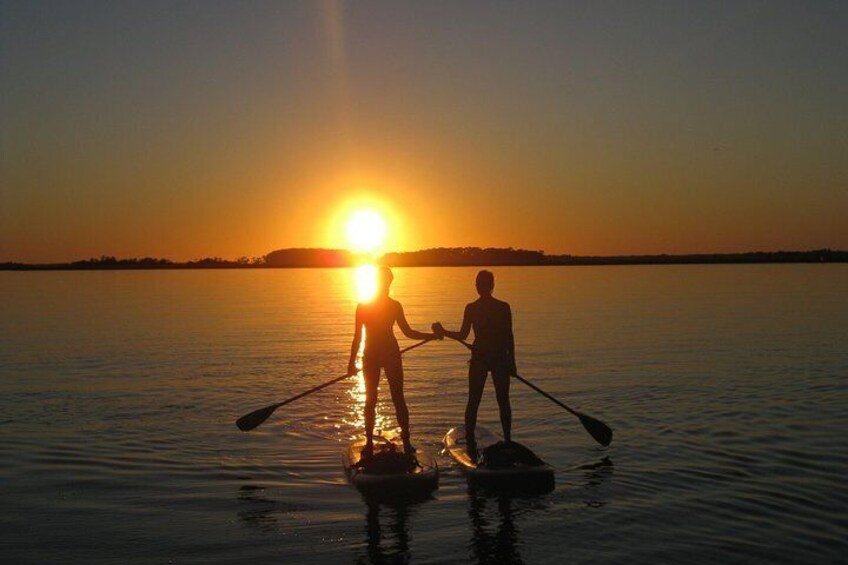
{"x": 366, "y": 230}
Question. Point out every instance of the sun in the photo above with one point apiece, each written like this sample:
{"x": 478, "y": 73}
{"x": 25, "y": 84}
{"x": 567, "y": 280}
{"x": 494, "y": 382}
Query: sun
{"x": 366, "y": 230}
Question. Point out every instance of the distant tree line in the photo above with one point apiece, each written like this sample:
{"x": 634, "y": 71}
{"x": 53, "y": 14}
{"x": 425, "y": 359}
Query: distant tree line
{"x": 436, "y": 257}
{"x": 815, "y": 256}
{"x": 107, "y": 261}
{"x": 305, "y": 257}
{"x": 465, "y": 256}
{"x": 476, "y": 256}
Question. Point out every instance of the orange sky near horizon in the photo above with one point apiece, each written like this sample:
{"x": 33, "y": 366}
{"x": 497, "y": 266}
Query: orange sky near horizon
{"x": 586, "y": 131}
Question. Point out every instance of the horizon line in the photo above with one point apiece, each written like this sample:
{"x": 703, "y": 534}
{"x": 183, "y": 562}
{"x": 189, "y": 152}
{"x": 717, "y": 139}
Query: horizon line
{"x": 339, "y": 257}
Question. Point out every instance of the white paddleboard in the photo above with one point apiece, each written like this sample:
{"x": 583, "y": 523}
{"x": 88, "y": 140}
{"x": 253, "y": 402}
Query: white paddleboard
{"x": 420, "y": 478}
{"x": 518, "y": 474}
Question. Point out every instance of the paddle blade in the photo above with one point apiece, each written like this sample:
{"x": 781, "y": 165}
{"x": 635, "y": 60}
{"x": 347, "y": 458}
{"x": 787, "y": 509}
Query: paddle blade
{"x": 255, "y": 418}
{"x": 597, "y": 429}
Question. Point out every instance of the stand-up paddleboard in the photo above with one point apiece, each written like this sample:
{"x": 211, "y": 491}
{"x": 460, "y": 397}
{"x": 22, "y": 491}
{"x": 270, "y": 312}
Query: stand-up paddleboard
{"x": 390, "y": 471}
{"x": 498, "y": 464}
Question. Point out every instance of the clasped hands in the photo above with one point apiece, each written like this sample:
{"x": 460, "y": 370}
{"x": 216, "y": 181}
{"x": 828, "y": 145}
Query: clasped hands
{"x": 438, "y": 331}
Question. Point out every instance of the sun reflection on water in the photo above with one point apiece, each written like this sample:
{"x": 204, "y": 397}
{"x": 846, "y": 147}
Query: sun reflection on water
{"x": 365, "y": 287}
{"x": 356, "y": 393}
{"x": 365, "y": 283}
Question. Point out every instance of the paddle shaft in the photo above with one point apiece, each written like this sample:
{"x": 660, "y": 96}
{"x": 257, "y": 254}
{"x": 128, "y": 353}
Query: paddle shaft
{"x": 413, "y": 346}
{"x": 310, "y": 391}
{"x": 343, "y": 377}
{"x": 337, "y": 379}
{"x": 543, "y": 393}
{"x": 528, "y": 383}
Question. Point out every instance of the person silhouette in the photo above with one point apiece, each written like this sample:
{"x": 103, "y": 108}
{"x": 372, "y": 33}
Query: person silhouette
{"x": 378, "y": 317}
{"x": 493, "y": 352}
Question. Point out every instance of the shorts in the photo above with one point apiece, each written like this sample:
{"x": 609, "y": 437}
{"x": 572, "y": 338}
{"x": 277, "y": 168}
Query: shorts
{"x": 500, "y": 367}
{"x": 375, "y": 360}
{"x": 480, "y": 367}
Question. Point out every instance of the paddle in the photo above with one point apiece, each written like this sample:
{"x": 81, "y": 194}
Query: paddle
{"x": 597, "y": 429}
{"x": 257, "y": 417}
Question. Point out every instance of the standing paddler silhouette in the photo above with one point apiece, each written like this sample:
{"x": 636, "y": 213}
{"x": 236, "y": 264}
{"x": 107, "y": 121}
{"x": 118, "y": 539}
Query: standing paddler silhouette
{"x": 493, "y": 352}
{"x": 378, "y": 317}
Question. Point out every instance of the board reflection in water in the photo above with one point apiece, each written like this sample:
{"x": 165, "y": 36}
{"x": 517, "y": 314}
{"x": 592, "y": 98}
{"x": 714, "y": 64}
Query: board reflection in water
{"x": 387, "y": 533}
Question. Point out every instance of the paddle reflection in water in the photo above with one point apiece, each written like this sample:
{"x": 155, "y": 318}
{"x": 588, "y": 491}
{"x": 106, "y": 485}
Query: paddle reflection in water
{"x": 260, "y": 512}
{"x": 389, "y": 544}
{"x": 594, "y": 475}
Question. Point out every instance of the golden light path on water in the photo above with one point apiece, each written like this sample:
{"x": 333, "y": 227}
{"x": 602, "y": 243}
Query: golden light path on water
{"x": 365, "y": 288}
{"x": 365, "y": 283}
{"x": 366, "y": 231}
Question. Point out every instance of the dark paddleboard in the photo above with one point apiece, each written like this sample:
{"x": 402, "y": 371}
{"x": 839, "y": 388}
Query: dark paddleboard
{"x": 511, "y": 465}
{"x": 390, "y": 472}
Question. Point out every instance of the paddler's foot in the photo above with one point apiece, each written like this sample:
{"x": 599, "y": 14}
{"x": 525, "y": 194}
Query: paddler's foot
{"x": 408, "y": 448}
{"x": 471, "y": 447}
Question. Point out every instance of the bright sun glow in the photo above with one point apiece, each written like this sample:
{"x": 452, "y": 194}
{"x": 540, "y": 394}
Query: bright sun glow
{"x": 366, "y": 231}
{"x": 365, "y": 282}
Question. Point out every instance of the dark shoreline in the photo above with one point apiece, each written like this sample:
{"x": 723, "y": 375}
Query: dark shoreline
{"x": 441, "y": 257}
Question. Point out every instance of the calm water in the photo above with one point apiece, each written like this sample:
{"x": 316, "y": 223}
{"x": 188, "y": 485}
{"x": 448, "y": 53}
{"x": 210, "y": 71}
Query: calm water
{"x": 727, "y": 387}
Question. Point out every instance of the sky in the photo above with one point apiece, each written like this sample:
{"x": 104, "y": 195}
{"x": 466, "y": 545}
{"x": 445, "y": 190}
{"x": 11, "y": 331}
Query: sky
{"x": 194, "y": 129}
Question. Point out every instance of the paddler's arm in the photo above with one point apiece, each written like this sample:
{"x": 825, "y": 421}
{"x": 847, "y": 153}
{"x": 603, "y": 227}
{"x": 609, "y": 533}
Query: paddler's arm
{"x": 408, "y": 331}
{"x": 463, "y": 331}
{"x": 510, "y": 344}
{"x": 354, "y": 347}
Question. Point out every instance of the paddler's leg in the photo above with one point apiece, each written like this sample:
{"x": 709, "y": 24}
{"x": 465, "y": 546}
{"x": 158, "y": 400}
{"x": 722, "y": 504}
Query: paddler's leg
{"x": 500, "y": 377}
{"x": 371, "y": 372}
{"x": 394, "y": 374}
{"x": 476, "y": 380}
